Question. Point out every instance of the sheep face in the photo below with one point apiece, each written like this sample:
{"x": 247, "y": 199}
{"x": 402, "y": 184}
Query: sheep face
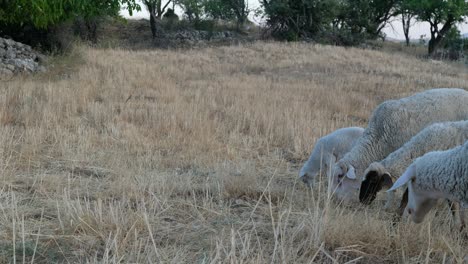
{"x": 344, "y": 183}
{"x": 308, "y": 174}
{"x": 374, "y": 180}
{"x": 315, "y": 167}
{"x": 419, "y": 202}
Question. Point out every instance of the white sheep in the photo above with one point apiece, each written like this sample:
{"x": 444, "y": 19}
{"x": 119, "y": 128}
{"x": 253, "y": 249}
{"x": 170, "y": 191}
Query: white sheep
{"x": 436, "y": 175}
{"x": 327, "y": 151}
{"x": 380, "y": 175}
{"x": 391, "y": 125}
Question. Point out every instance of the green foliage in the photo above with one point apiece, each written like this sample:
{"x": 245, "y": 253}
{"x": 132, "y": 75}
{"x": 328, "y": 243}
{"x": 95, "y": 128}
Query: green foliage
{"x": 193, "y": 9}
{"x": 227, "y": 10}
{"x": 46, "y": 23}
{"x": 170, "y": 14}
{"x": 39, "y": 13}
{"x": 42, "y": 14}
{"x": 453, "y": 40}
{"x": 217, "y": 9}
{"x": 343, "y": 21}
{"x": 206, "y": 25}
{"x": 438, "y": 11}
{"x": 442, "y": 15}
{"x": 298, "y": 18}
{"x": 454, "y": 46}
{"x": 368, "y": 17}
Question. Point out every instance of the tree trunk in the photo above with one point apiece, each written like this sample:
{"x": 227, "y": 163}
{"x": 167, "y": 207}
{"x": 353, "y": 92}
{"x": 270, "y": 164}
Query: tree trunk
{"x": 435, "y": 41}
{"x": 91, "y": 25}
{"x": 161, "y": 9}
{"x": 431, "y": 46}
{"x": 154, "y": 8}
{"x": 153, "y": 25}
{"x": 406, "y": 21}
{"x": 407, "y": 39}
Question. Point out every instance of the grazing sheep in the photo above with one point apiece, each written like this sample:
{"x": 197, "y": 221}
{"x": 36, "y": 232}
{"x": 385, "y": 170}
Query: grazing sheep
{"x": 437, "y": 174}
{"x": 379, "y": 175}
{"x": 327, "y": 151}
{"x": 391, "y": 125}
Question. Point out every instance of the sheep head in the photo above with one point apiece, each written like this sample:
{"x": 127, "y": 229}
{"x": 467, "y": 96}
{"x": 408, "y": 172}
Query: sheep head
{"x": 420, "y": 202}
{"x": 344, "y": 182}
{"x": 376, "y": 177}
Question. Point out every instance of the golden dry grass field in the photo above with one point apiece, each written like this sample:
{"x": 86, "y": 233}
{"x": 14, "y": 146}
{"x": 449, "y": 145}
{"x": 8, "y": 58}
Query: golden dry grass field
{"x": 192, "y": 156}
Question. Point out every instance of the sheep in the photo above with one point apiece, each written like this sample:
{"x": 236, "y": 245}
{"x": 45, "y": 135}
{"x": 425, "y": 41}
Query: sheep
{"x": 327, "y": 151}
{"x": 391, "y": 125}
{"x": 435, "y": 175}
{"x": 379, "y": 175}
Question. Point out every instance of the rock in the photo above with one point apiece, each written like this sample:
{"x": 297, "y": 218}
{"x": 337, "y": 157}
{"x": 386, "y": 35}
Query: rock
{"x": 17, "y": 57}
{"x": 9, "y": 42}
{"x": 5, "y": 71}
{"x": 10, "y": 53}
{"x": 9, "y": 67}
{"x": 195, "y": 36}
{"x": 25, "y": 64}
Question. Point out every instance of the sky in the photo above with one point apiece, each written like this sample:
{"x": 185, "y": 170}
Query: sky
{"x": 393, "y": 30}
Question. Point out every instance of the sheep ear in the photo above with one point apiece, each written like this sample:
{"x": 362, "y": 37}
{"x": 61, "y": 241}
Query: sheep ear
{"x": 405, "y": 178}
{"x": 387, "y": 180}
{"x": 370, "y": 185}
{"x": 351, "y": 174}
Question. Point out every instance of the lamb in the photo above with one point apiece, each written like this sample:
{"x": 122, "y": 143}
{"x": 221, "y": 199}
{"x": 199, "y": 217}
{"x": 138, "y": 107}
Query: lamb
{"x": 379, "y": 175}
{"x": 391, "y": 125}
{"x": 437, "y": 174}
{"x": 327, "y": 151}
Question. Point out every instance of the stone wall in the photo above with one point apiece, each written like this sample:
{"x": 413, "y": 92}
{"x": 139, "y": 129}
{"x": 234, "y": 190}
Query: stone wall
{"x": 16, "y": 57}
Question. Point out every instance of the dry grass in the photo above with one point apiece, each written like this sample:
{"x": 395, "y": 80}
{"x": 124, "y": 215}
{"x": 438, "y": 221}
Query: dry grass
{"x": 192, "y": 157}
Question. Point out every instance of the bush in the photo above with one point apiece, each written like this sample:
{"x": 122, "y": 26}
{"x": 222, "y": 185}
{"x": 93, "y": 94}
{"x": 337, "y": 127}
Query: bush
{"x": 343, "y": 22}
{"x": 454, "y": 45}
{"x": 35, "y": 22}
{"x": 207, "y": 25}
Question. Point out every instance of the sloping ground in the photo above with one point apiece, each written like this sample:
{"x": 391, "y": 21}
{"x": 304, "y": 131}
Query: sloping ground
{"x": 192, "y": 157}
{"x": 136, "y": 34}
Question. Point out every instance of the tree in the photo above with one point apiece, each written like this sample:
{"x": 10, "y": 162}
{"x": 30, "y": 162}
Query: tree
{"x": 156, "y": 10}
{"x": 241, "y": 10}
{"x": 343, "y": 21}
{"x": 45, "y": 13}
{"x": 35, "y": 22}
{"x": 228, "y": 10}
{"x": 441, "y": 15}
{"x": 406, "y": 18}
{"x": 193, "y": 9}
{"x": 369, "y": 17}
{"x": 453, "y": 44}
{"x": 291, "y": 19}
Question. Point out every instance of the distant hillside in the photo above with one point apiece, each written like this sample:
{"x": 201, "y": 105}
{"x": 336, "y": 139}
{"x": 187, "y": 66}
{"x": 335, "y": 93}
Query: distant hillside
{"x": 464, "y": 35}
